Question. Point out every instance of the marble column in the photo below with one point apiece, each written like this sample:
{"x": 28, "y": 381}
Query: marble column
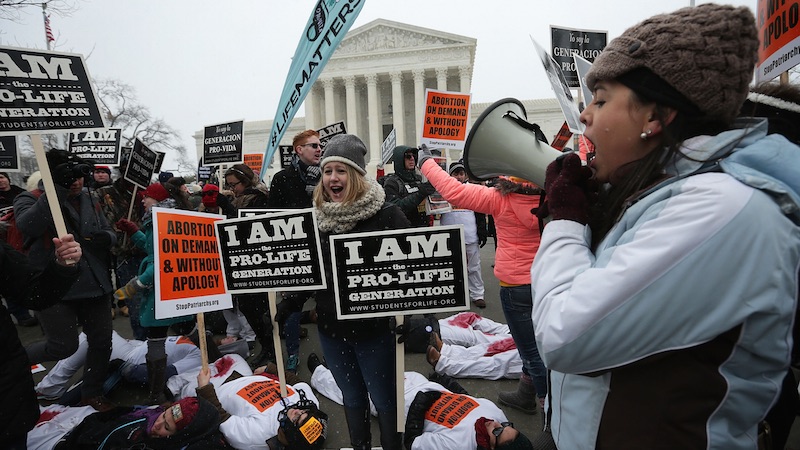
{"x": 374, "y": 115}
{"x": 465, "y": 75}
{"x": 330, "y": 110}
{"x": 441, "y": 78}
{"x": 398, "y": 111}
{"x": 419, "y": 101}
{"x": 311, "y": 109}
{"x": 350, "y": 94}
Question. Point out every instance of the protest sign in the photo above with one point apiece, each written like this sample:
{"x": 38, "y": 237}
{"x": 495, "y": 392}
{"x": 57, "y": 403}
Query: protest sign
{"x": 99, "y": 147}
{"x": 562, "y": 137}
{"x": 141, "y": 165}
{"x": 43, "y": 91}
{"x": 159, "y": 161}
{"x": 271, "y": 252}
{"x": 327, "y": 132}
{"x": 567, "y": 43}
{"x": 9, "y": 155}
{"x": 286, "y": 152}
{"x": 189, "y": 276}
{"x": 325, "y": 29}
{"x": 779, "y": 43}
{"x": 560, "y": 89}
{"x": 446, "y": 118}
{"x": 582, "y": 66}
{"x": 204, "y": 173}
{"x": 250, "y": 212}
{"x": 223, "y": 143}
{"x": 387, "y": 148}
{"x": 254, "y": 161}
{"x": 395, "y": 272}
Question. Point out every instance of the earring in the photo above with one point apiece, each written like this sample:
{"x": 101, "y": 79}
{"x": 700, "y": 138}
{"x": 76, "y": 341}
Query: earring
{"x": 645, "y": 134}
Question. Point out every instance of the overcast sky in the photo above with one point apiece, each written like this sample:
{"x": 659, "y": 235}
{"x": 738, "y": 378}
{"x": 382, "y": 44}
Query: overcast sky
{"x": 201, "y": 62}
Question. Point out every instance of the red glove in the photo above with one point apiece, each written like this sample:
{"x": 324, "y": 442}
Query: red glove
{"x": 568, "y": 189}
{"x": 127, "y": 227}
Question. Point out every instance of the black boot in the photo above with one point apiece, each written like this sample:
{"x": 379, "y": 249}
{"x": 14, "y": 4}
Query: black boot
{"x": 359, "y": 427}
{"x": 264, "y": 356}
{"x": 155, "y": 381}
{"x": 391, "y": 439}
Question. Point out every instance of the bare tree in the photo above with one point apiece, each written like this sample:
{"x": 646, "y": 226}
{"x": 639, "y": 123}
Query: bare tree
{"x": 123, "y": 110}
{"x": 12, "y": 9}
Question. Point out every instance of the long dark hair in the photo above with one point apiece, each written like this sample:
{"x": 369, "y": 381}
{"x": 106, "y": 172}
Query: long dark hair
{"x": 636, "y": 176}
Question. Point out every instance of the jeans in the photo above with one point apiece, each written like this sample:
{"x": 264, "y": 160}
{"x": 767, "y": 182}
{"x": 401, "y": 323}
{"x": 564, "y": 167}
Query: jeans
{"x": 60, "y": 323}
{"x": 125, "y": 271}
{"x": 517, "y": 304}
{"x": 363, "y": 367}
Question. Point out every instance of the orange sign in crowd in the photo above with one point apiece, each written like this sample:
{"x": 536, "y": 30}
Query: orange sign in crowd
{"x": 189, "y": 274}
{"x": 446, "y": 119}
{"x": 779, "y": 38}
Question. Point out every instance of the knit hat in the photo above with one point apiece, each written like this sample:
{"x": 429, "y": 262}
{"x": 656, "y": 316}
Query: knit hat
{"x": 704, "y": 53}
{"x": 456, "y": 165}
{"x": 184, "y": 411}
{"x": 156, "y": 191}
{"x": 105, "y": 169}
{"x": 210, "y": 192}
{"x": 347, "y": 149}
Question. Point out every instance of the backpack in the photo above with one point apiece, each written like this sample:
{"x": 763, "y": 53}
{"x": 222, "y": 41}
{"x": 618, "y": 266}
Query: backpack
{"x": 13, "y": 236}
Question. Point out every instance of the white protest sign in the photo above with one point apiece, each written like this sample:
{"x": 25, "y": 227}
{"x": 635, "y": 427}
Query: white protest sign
{"x": 561, "y": 89}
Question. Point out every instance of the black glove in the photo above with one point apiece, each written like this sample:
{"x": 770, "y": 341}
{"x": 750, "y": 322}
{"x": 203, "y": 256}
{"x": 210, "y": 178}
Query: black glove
{"x": 415, "y": 420}
{"x": 423, "y": 154}
{"x": 427, "y": 188}
{"x": 568, "y": 189}
{"x": 101, "y": 239}
{"x": 482, "y": 238}
{"x": 402, "y": 331}
{"x": 223, "y": 201}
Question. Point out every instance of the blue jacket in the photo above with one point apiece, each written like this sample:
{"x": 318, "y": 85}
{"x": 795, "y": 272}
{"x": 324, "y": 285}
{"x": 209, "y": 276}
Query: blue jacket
{"x": 676, "y": 331}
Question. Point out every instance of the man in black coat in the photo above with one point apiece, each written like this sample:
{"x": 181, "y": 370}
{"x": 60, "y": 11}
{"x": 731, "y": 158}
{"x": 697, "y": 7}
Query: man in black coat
{"x": 21, "y": 283}
{"x": 405, "y": 188}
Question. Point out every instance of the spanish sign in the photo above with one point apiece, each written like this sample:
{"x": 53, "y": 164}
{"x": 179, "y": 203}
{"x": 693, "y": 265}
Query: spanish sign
{"x": 389, "y": 273}
{"x": 567, "y": 43}
{"x": 275, "y": 252}
{"x": 327, "y": 132}
{"x": 223, "y": 143}
{"x": 779, "y": 43}
{"x": 99, "y": 147}
{"x": 42, "y": 91}
{"x": 141, "y": 165}
{"x": 446, "y": 119}
{"x": 189, "y": 276}
{"x": 9, "y": 155}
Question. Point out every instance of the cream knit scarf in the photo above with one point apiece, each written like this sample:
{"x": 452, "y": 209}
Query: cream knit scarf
{"x": 339, "y": 218}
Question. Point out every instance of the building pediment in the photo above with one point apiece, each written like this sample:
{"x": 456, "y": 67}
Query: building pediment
{"x": 381, "y": 35}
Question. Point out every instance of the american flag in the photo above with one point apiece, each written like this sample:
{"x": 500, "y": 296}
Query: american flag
{"x": 48, "y": 32}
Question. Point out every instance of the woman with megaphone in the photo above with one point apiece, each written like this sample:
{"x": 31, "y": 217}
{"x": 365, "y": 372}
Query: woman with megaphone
{"x": 510, "y": 202}
{"x": 663, "y": 302}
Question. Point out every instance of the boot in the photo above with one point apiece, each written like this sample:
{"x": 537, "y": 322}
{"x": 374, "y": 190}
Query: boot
{"x": 391, "y": 439}
{"x": 266, "y": 355}
{"x": 523, "y": 399}
{"x": 155, "y": 380}
{"x": 358, "y": 425}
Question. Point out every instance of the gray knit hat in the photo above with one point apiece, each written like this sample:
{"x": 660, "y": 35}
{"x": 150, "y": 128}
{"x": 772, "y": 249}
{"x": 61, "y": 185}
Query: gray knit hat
{"x": 347, "y": 149}
{"x": 455, "y": 166}
{"x": 704, "y": 54}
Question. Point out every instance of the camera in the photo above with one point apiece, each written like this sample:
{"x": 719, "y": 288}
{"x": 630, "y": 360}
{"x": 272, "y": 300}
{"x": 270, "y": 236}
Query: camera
{"x": 66, "y": 173}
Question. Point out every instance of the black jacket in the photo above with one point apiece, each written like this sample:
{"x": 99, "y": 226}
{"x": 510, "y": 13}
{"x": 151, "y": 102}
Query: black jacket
{"x": 403, "y": 189}
{"x": 21, "y": 283}
{"x": 288, "y": 190}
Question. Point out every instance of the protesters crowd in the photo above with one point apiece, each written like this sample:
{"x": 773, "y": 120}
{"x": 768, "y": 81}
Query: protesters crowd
{"x": 649, "y": 290}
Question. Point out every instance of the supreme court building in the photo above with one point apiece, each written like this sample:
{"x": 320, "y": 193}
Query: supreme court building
{"x": 376, "y": 80}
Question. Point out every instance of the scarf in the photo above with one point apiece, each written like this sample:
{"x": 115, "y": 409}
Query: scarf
{"x": 309, "y": 174}
{"x": 151, "y": 414}
{"x": 481, "y": 434}
{"x": 341, "y": 218}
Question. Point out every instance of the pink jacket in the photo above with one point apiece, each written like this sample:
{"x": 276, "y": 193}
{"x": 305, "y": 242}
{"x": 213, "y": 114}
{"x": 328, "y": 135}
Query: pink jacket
{"x": 517, "y": 228}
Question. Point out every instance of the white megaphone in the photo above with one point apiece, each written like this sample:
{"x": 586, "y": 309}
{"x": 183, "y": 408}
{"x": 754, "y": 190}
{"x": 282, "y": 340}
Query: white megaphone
{"x": 503, "y": 142}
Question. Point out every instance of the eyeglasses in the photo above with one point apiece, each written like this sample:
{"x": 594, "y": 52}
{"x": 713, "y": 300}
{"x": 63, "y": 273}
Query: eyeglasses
{"x": 499, "y": 430}
{"x": 313, "y": 145}
{"x": 409, "y": 156}
{"x": 233, "y": 185}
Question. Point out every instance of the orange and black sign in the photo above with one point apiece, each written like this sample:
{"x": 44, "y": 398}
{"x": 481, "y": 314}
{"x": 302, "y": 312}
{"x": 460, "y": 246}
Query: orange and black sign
{"x": 450, "y": 409}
